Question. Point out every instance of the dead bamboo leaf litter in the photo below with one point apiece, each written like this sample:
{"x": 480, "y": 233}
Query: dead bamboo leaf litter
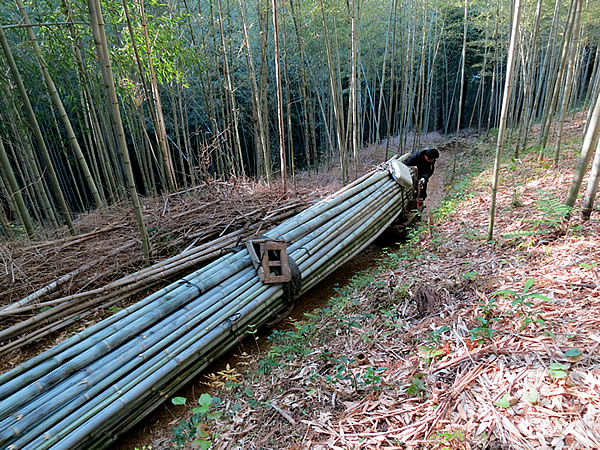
{"x": 436, "y": 387}
{"x": 503, "y": 371}
{"x": 51, "y": 289}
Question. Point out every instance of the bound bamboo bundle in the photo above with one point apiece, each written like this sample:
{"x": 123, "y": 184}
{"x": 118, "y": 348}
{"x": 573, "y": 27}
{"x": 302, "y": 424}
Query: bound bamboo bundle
{"x": 86, "y": 391}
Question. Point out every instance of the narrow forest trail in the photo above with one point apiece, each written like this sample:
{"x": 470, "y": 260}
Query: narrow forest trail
{"x": 157, "y": 428}
{"x": 426, "y": 353}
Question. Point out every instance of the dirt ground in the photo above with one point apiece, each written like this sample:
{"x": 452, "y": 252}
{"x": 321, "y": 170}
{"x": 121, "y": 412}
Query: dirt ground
{"x": 462, "y": 366}
{"x": 456, "y": 343}
{"x": 157, "y": 429}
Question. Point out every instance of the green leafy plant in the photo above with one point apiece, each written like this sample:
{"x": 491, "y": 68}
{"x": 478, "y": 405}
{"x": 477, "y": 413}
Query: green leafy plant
{"x": 554, "y": 212}
{"x": 522, "y": 301}
{"x": 431, "y": 345}
{"x": 373, "y": 376}
{"x": 446, "y": 440}
{"x": 437, "y": 335}
{"x": 288, "y": 345}
{"x": 589, "y": 266}
{"x": 506, "y": 401}
{"x": 558, "y": 371}
{"x": 469, "y": 275}
{"x": 348, "y": 322}
{"x": 553, "y": 208}
{"x": 574, "y": 355}
{"x": 197, "y": 429}
{"x": 417, "y": 385}
{"x": 428, "y": 353}
{"x": 484, "y": 332}
{"x": 532, "y": 397}
{"x": 253, "y": 331}
{"x": 345, "y": 371}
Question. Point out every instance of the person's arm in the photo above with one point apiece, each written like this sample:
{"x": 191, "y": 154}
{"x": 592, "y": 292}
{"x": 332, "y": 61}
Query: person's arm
{"x": 429, "y": 169}
{"x": 411, "y": 160}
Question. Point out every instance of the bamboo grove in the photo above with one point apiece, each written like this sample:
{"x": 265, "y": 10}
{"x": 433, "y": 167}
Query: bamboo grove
{"x": 103, "y": 100}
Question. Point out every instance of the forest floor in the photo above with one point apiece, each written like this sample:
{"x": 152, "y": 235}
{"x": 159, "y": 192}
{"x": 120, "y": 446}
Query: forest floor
{"x": 447, "y": 341}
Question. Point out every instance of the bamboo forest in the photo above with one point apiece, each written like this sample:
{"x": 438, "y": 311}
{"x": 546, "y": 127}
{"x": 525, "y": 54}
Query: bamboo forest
{"x": 221, "y": 227}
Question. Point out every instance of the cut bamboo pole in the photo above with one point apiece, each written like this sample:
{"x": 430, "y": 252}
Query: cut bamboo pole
{"x": 86, "y": 391}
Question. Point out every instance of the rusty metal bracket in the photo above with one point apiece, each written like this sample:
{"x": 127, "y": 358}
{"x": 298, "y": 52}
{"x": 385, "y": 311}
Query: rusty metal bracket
{"x": 270, "y": 260}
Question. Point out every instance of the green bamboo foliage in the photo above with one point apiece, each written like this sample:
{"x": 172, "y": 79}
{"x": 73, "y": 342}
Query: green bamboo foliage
{"x": 73, "y": 140}
{"x": 196, "y": 83}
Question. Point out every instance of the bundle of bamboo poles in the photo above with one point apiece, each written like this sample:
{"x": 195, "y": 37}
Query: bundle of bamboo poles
{"x": 86, "y": 391}
{"x": 57, "y": 313}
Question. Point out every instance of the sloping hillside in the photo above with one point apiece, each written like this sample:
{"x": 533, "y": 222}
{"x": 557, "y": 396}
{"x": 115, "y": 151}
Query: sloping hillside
{"x": 451, "y": 342}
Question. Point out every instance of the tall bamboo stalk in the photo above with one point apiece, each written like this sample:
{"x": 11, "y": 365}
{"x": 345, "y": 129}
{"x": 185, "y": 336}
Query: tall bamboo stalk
{"x": 573, "y": 44}
{"x": 503, "y": 113}
{"x": 73, "y": 141}
{"x": 583, "y": 161}
{"x": 592, "y": 187}
{"x": 262, "y": 151}
{"x": 15, "y": 191}
{"x": 159, "y": 120}
{"x": 237, "y": 144}
{"x": 97, "y": 23}
{"x": 335, "y": 96}
{"x": 37, "y": 132}
{"x": 463, "y": 59}
{"x": 282, "y": 152}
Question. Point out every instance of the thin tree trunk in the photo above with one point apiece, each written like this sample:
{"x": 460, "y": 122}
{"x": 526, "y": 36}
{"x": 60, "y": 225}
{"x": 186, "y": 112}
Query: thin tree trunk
{"x": 338, "y": 114}
{"x": 290, "y": 134}
{"x": 61, "y": 109}
{"x": 36, "y": 179}
{"x": 237, "y": 145}
{"x": 462, "y": 85}
{"x": 282, "y": 153}
{"x": 15, "y": 191}
{"x": 262, "y": 150}
{"x": 37, "y": 133}
{"x": 160, "y": 128}
{"x": 592, "y": 187}
{"x": 97, "y": 23}
{"x": 309, "y": 147}
{"x": 383, "y": 69}
{"x": 353, "y": 109}
{"x": 552, "y": 99}
{"x": 573, "y": 43}
{"x": 504, "y": 113}
{"x": 589, "y": 142}
{"x": 392, "y": 95}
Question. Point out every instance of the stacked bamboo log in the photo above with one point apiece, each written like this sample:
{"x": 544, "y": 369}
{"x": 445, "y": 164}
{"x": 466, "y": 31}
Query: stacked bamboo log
{"x": 58, "y": 313}
{"x": 93, "y": 387}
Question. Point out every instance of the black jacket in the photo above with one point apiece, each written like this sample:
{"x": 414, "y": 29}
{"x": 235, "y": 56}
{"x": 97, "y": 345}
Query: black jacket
{"x": 424, "y": 169}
